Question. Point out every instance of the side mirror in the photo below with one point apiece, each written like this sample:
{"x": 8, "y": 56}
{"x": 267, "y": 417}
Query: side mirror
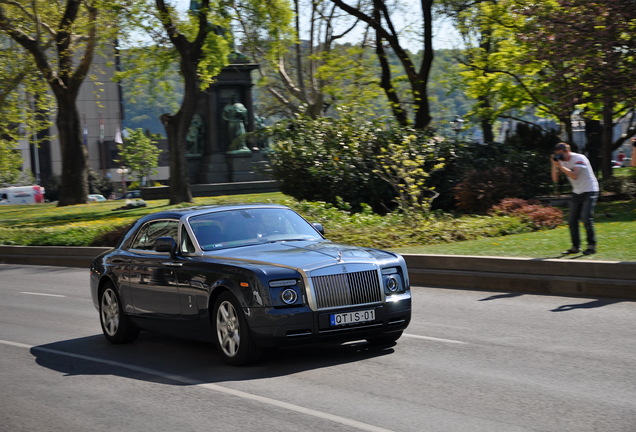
{"x": 166, "y": 244}
{"x": 319, "y": 228}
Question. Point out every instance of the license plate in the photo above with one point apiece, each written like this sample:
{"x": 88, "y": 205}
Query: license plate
{"x": 352, "y": 317}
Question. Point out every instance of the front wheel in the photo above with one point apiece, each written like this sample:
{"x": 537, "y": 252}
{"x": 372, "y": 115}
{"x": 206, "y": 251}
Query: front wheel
{"x": 232, "y": 332}
{"x": 116, "y": 325}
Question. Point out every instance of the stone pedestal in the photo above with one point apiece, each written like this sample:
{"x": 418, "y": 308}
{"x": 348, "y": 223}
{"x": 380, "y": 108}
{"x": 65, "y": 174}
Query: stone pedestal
{"x": 248, "y": 167}
{"x": 218, "y": 163}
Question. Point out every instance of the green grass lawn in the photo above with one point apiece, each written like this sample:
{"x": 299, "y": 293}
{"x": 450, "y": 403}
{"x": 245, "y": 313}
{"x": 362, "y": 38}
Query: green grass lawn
{"x": 615, "y": 230}
{"x": 46, "y": 224}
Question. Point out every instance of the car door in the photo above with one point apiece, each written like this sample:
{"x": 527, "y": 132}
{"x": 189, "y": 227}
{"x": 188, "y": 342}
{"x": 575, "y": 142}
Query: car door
{"x": 152, "y": 278}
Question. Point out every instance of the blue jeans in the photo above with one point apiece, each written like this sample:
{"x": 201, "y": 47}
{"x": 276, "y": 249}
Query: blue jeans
{"x": 582, "y": 208}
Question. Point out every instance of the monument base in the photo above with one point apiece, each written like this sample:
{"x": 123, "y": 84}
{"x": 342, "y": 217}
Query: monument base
{"x": 234, "y": 167}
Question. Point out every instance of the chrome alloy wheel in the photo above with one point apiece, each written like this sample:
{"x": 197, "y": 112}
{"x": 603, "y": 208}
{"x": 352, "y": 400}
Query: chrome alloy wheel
{"x": 109, "y": 312}
{"x": 228, "y": 328}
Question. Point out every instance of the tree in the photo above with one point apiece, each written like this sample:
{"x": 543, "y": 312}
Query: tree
{"x": 139, "y": 154}
{"x": 497, "y": 69}
{"x": 541, "y": 54}
{"x": 61, "y": 38}
{"x": 306, "y": 70}
{"x": 596, "y": 57}
{"x": 378, "y": 17}
{"x": 201, "y": 44}
{"x": 475, "y": 25}
{"x": 22, "y": 96}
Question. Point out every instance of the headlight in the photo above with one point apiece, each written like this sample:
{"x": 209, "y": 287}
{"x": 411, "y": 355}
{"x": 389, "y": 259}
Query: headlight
{"x": 285, "y": 292}
{"x": 289, "y": 296}
{"x": 393, "y": 282}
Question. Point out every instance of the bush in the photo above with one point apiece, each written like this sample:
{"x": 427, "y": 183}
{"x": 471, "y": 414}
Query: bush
{"x": 624, "y": 186}
{"x": 98, "y": 184}
{"x": 52, "y": 188}
{"x": 481, "y": 190}
{"x": 539, "y": 215}
{"x": 532, "y": 175}
{"x": 110, "y": 238}
{"x": 357, "y": 161}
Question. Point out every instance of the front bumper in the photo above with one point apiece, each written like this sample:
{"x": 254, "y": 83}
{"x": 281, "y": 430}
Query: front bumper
{"x": 279, "y": 327}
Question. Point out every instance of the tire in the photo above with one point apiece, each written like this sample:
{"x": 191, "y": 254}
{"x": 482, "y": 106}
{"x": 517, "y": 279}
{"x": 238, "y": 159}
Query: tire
{"x": 116, "y": 325}
{"x": 387, "y": 339}
{"x": 232, "y": 332}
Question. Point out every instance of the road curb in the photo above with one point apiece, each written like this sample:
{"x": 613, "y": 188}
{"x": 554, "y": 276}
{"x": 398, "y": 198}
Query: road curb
{"x": 566, "y": 277}
{"x": 613, "y": 279}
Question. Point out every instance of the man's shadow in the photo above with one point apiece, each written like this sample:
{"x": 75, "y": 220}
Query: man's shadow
{"x": 590, "y": 305}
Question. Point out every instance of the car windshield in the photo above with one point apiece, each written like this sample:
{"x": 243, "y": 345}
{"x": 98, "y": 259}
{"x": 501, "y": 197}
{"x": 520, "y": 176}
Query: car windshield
{"x": 243, "y": 227}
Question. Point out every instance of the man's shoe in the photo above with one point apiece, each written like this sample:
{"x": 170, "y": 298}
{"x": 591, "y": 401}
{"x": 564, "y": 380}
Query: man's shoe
{"x": 571, "y": 251}
{"x": 589, "y": 251}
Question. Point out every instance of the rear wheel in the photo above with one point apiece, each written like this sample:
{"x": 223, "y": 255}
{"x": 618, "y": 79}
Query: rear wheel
{"x": 116, "y": 325}
{"x": 232, "y": 332}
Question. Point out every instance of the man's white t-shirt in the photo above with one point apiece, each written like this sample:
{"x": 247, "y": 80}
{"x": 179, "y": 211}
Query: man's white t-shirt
{"x": 585, "y": 179}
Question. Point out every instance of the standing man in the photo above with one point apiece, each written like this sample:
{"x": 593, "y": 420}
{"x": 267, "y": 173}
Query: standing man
{"x": 577, "y": 168}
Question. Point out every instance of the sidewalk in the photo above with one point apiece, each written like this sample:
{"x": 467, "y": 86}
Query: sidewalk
{"x": 564, "y": 277}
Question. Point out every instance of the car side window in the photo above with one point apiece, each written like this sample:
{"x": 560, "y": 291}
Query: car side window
{"x": 151, "y": 231}
{"x": 186, "y": 242}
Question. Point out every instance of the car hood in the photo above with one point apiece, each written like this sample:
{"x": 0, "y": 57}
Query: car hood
{"x": 303, "y": 254}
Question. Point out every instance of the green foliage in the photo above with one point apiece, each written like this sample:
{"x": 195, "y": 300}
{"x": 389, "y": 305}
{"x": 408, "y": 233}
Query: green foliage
{"x": 393, "y": 230}
{"x": 349, "y": 77}
{"x": 52, "y": 188}
{"x": 615, "y": 224}
{"x": 10, "y": 162}
{"x": 23, "y": 99}
{"x": 624, "y": 186}
{"x": 58, "y": 41}
{"x": 355, "y": 160}
{"x": 98, "y": 184}
{"x": 101, "y": 224}
{"x": 326, "y": 158}
{"x": 406, "y": 162}
{"x": 151, "y": 90}
{"x": 139, "y": 153}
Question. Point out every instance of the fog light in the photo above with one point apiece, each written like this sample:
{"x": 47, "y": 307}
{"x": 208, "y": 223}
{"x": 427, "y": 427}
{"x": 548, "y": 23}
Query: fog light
{"x": 289, "y": 296}
{"x": 392, "y": 284}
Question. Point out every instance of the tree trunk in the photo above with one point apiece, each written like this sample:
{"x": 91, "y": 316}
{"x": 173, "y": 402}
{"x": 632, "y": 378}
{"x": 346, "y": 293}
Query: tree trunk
{"x": 608, "y": 137}
{"x": 593, "y": 137}
{"x": 486, "y": 128}
{"x": 74, "y": 184}
{"x": 176, "y": 131}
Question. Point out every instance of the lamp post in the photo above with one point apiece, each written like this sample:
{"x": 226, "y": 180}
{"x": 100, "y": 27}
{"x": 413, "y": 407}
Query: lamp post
{"x": 457, "y": 125}
{"x": 122, "y": 172}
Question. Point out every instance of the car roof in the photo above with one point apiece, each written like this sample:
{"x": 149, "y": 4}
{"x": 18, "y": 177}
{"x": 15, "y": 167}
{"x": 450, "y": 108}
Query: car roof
{"x": 178, "y": 213}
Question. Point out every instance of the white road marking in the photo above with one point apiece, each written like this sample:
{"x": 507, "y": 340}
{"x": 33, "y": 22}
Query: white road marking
{"x": 42, "y": 294}
{"x": 214, "y": 387}
{"x": 434, "y": 339}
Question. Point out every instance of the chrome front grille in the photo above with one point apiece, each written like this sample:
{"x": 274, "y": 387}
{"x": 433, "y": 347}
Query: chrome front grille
{"x": 347, "y": 289}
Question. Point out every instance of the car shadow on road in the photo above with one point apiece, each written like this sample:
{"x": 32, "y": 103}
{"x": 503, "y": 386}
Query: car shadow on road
{"x": 167, "y": 360}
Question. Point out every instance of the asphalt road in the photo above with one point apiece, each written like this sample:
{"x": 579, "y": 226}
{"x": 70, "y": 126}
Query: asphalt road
{"x": 470, "y": 361}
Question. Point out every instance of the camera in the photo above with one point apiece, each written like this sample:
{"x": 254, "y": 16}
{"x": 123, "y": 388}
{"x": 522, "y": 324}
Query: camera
{"x": 557, "y": 157}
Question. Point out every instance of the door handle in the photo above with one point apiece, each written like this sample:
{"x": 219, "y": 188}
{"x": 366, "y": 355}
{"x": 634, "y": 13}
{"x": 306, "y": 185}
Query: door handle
{"x": 172, "y": 264}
